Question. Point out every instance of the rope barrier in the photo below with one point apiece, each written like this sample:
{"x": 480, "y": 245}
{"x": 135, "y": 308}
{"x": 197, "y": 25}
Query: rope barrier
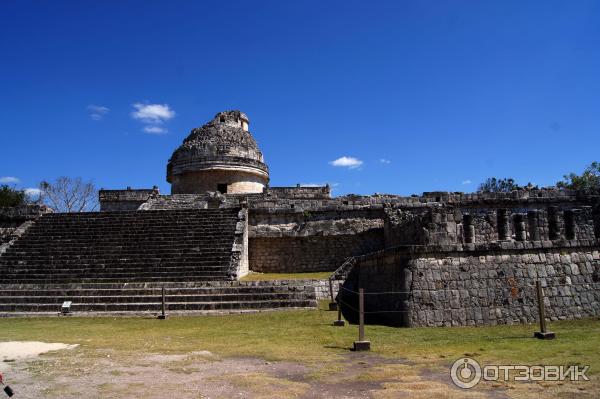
{"x": 494, "y": 302}
{"x": 373, "y": 311}
{"x": 349, "y": 306}
{"x": 386, "y": 311}
{"x": 387, "y": 292}
{"x": 376, "y": 293}
{"x": 507, "y": 286}
{"x": 363, "y": 344}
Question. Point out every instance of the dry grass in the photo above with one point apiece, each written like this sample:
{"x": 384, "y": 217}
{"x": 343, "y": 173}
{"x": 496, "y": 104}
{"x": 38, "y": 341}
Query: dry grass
{"x": 128, "y": 348}
{"x": 264, "y": 386}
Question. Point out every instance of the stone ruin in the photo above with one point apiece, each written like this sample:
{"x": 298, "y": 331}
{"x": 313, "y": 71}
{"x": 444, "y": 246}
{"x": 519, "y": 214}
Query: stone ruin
{"x": 443, "y": 259}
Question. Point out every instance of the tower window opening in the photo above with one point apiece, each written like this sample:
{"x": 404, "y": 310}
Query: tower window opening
{"x": 222, "y": 188}
{"x": 222, "y": 119}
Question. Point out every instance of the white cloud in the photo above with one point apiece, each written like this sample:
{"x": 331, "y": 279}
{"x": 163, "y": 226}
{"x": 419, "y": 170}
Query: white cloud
{"x": 464, "y": 182}
{"x": 155, "y": 130}
{"x": 9, "y": 179}
{"x": 97, "y": 112}
{"x": 152, "y": 113}
{"x": 347, "y": 162}
{"x": 33, "y": 192}
{"x": 153, "y": 116}
{"x": 384, "y": 161}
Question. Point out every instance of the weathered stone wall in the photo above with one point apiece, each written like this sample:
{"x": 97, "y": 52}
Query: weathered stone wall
{"x": 521, "y": 198}
{"x": 310, "y": 254}
{"x": 321, "y": 287}
{"x": 13, "y": 217}
{"x": 323, "y": 192}
{"x": 221, "y": 152}
{"x": 483, "y": 284}
{"x": 14, "y": 222}
{"x": 499, "y": 287}
{"x": 125, "y": 200}
{"x": 176, "y": 201}
{"x": 237, "y": 181}
{"x": 476, "y": 262}
{"x": 540, "y": 219}
{"x": 285, "y": 240}
{"x": 8, "y": 236}
{"x": 7, "y": 228}
{"x": 239, "y": 258}
{"x": 22, "y": 213}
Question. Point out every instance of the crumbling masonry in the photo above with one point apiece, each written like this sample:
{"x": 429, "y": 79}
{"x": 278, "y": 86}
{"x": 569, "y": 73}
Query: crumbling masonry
{"x": 450, "y": 258}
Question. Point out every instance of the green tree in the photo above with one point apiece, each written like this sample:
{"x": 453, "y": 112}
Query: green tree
{"x": 493, "y": 185}
{"x": 589, "y": 179}
{"x": 11, "y": 197}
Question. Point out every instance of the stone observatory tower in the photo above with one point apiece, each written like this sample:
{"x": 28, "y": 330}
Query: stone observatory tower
{"x": 220, "y": 156}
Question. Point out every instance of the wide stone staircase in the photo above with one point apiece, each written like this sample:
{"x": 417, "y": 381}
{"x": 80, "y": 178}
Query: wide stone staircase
{"x": 118, "y": 262}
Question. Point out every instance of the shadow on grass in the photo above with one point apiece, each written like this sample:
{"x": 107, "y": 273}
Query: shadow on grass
{"x": 344, "y": 348}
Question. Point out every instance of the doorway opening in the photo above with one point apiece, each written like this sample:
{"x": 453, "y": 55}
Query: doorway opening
{"x": 222, "y": 188}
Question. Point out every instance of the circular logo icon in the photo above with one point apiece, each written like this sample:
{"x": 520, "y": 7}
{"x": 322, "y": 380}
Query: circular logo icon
{"x": 465, "y": 373}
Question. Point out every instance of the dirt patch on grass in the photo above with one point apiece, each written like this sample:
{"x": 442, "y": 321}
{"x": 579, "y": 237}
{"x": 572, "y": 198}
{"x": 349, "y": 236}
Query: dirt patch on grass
{"x": 202, "y": 374}
{"x": 16, "y": 351}
{"x": 98, "y": 373}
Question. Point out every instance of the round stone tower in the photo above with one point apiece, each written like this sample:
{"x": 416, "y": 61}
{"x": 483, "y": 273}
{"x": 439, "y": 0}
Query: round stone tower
{"x": 220, "y": 156}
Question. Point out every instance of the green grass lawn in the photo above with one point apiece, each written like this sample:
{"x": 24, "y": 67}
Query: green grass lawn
{"x": 285, "y": 276}
{"x": 308, "y": 337}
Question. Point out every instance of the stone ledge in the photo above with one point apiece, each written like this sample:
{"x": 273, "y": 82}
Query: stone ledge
{"x": 483, "y": 247}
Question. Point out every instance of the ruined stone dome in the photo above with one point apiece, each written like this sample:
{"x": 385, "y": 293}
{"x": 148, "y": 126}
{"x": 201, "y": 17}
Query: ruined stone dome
{"x": 221, "y": 156}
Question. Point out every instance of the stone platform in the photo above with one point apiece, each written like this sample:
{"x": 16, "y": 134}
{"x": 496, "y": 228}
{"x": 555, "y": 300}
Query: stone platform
{"x": 144, "y": 299}
{"x": 122, "y": 247}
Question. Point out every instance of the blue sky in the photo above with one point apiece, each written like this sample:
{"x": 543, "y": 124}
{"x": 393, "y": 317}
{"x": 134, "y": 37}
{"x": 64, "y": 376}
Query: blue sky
{"x": 427, "y": 95}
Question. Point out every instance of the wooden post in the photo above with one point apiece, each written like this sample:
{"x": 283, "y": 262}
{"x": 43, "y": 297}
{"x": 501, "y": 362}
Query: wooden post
{"x": 339, "y": 322}
{"x": 361, "y": 344}
{"x": 163, "y": 314}
{"x": 361, "y": 314}
{"x": 332, "y": 305}
{"x": 331, "y": 290}
{"x": 543, "y": 333}
{"x": 541, "y": 312}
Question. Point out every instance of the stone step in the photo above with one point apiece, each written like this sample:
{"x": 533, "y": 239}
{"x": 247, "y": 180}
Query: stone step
{"x": 111, "y": 274}
{"x": 212, "y": 249}
{"x": 156, "y": 306}
{"x": 117, "y": 263}
{"x": 85, "y": 260}
{"x": 116, "y": 268}
{"x": 83, "y": 280}
{"x": 126, "y": 275}
{"x": 148, "y": 246}
{"x": 169, "y": 297}
{"x": 42, "y": 245}
{"x": 214, "y": 284}
{"x": 91, "y": 292}
{"x": 134, "y": 230}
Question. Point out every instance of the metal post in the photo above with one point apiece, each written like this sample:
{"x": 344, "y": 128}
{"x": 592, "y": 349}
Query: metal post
{"x": 543, "y": 333}
{"x": 361, "y": 344}
{"x": 163, "y": 314}
{"x": 339, "y": 322}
